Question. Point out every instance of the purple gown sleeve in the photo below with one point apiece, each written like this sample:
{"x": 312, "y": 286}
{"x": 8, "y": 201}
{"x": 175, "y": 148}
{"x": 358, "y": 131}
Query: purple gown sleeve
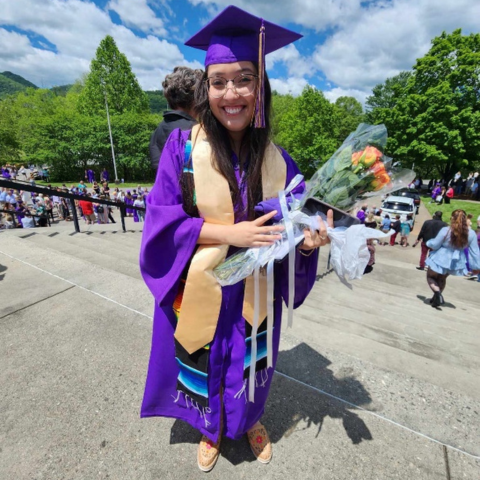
{"x": 305, "y": 267}
{"x": 169, "y": 234}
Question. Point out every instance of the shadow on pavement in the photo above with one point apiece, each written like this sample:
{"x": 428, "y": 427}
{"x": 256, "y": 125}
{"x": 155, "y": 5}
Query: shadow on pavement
{"x": 2, "y": 269}
{"x": 293, "y": 407}
{"x": 426, "y": 301}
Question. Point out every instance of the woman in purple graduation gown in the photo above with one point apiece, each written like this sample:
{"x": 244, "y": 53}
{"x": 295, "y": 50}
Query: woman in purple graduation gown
{"x": 208, "y": 388}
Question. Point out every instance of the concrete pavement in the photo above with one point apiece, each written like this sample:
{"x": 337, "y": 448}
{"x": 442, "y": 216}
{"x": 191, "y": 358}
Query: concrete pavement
{"x": 371, "y": 382}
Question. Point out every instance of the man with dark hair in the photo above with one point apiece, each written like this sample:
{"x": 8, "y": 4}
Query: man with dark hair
{"x": 178, "y": 89}
{"x": 429, "y": 230}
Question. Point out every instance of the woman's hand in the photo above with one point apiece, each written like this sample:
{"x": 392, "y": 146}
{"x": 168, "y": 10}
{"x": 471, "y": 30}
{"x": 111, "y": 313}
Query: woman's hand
{"x": 319, "y": 237}
{"x": 254, "y": 234}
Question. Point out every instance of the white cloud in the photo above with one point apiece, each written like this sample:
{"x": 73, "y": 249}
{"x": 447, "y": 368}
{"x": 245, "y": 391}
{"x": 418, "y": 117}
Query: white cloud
{"x": 297, "y": 65}
{"x": 388, "y": 37}
{"x": 138, "y": 14}
{"x": 76, "y": 28}
{"x": 292, "y": 85}
{"x": 371, "y": 40}
{"x": 314, "y": 14}
{"x": 336, "y": 92}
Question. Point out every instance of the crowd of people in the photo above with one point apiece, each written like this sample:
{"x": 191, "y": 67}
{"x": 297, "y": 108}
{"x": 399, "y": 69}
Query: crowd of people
{"x": 22, "y": 209}
{"x": 442, "y": 191}
{"x": 12, "y": 172}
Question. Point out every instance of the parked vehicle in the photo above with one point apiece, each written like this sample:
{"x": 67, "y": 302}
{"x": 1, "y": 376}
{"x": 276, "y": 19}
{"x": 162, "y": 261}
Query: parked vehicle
{"x": 398, "y": 205}
{"x": 410, "y": 193}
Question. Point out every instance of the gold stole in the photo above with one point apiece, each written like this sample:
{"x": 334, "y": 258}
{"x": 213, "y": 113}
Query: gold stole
{"x": 202, "y": 297}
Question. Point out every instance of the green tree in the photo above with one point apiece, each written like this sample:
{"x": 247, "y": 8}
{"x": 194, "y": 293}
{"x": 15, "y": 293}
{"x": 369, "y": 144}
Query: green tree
{"x": 435, "y": 122}
{"x": 157, "y": 102}
{"x": 280, "y": 106}
{"x": 386, "y": 95}
{"x": 350, "y": 112}
{"x": 309, "y": 130}
{"x": 131, "y": 133}
{"x": 10, "y": 148}
{"x": 111, "y": 79}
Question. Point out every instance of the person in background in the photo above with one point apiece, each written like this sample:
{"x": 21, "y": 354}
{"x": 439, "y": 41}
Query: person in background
{"x": 65, "y": 207}
{"x": 3, "y": 197}
{"x": 28, "y": 222}
{"x": 370, "y": 221}
{"x": 361, "y": 214}
{"x": 429, "y": 230}
{"x": 397, "y": 226}
{"x": 90, "y": 177}
{"x": 448, "y": 257}
{"x": 385, "y": 226}
{"x": 178, "y": 89}
{"x": 439, "y": 199}
{"x": 101, "y": 211}
{"x": 371, "y": 260}
{"x": 436, "y": 193}
{"x": 405, "y": 229}
{"x": 458, "y": 183}
{"x": 87, "y": 210}
{"x": 378, "y": 217}
{"x": 8, "y": 221}
{"x": 6, "y": 173}
{"x": 140, "y": 203}
{"x": 21, "y": 211}
{"x": 105, "y": 190}
{"x": 23, "y": 171}
{"x": 128, "y": 200}
{"x": 48, "y": 207}
{"x": 104, "y": 176}
{"x": 449, "y": 195}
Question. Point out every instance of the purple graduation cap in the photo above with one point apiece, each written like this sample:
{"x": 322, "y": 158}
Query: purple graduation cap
{"x": 235, "y": 36}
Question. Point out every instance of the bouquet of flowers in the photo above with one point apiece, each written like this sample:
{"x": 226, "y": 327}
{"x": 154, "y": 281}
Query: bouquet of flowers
{"x": 357, "y": 170}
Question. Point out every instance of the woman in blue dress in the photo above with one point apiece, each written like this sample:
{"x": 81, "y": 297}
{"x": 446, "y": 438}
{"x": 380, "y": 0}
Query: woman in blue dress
{"x": 448, "y": 257}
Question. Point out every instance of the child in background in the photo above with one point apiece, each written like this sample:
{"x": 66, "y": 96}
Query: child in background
{"x": 406, "y": 228}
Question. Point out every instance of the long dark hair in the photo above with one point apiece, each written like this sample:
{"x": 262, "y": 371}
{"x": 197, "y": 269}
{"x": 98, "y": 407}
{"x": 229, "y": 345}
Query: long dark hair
{"x": 253, "y": 148}
{"x": 459, "y": 229}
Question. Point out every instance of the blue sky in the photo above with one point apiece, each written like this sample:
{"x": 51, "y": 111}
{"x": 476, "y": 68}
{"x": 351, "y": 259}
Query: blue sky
{"x": 349, "y": 46}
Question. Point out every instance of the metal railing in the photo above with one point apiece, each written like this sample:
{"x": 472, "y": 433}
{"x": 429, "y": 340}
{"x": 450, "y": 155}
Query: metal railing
{"x": 50, "y": 192}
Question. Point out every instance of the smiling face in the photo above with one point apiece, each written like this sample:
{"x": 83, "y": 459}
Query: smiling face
{"x": 233, "y": 111}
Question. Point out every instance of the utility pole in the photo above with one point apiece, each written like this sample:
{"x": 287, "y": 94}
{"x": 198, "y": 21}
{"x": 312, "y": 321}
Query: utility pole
{"x": 110, "y": 131}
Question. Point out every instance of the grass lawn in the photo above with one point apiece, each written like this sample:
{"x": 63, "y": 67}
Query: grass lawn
{"x": 472, "y": 207}
{"x": 121, "y": 186}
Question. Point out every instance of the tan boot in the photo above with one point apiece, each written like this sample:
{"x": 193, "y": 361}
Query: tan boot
{"x": 260, "y": 443}
{"x": 208, "y": 453}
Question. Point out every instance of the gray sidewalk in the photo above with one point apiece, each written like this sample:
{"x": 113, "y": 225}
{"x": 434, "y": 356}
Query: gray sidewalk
{"x": 371, "y": 382}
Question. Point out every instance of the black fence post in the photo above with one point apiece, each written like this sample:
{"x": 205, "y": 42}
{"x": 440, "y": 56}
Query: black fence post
{"x": 122, "y": 216}
{"x": 75, "y": 216}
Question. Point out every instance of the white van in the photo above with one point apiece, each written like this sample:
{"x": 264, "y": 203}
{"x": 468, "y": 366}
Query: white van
{"x": 402, "y": 206}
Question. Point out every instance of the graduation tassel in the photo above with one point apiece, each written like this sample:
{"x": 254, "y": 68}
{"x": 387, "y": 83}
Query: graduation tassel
{"x": 260, "y": 101}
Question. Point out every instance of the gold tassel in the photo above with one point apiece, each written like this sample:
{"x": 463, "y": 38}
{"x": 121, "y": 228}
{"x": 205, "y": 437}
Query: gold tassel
{"x": 260, "y": 101}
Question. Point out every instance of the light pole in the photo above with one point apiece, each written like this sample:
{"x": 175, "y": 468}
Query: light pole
{"x": 110, "y": 132}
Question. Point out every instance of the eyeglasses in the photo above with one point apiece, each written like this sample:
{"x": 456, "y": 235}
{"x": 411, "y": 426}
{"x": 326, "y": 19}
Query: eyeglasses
{"x": 243, "y": 85}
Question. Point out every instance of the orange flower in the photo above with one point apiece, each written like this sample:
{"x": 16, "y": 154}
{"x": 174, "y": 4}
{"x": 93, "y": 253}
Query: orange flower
{"x": 377, "y": 168}
{"x": 356, "y": 157}
{"x": 380, "y": 181}
{"x": 367, "y": 157}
